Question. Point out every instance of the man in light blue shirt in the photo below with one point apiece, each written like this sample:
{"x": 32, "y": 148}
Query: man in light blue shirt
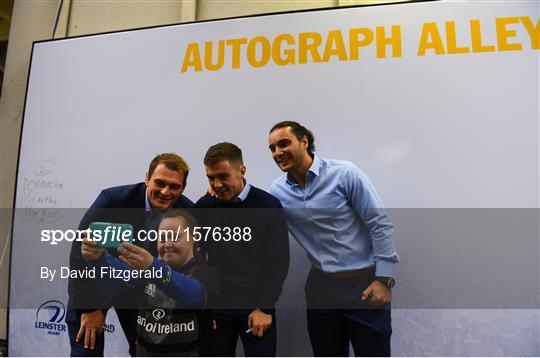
{"x": 335, "y": 214}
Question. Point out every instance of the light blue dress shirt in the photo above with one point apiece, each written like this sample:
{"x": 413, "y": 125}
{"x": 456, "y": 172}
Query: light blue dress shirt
{"x": 243, "y": 194}
{"x": 338, "y": 218}
{"x": 147, "y": 206}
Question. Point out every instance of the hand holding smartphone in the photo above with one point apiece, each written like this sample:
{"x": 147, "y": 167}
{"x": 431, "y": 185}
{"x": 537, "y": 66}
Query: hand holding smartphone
{"x": 110, "y": 235}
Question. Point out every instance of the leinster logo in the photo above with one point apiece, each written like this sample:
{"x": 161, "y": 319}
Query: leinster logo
{"x": 158, "y": 314}
{"x": 49, "y": 316}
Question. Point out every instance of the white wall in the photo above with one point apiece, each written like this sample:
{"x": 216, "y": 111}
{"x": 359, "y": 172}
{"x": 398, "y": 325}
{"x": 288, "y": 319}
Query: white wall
{"x": 432, "y": 132}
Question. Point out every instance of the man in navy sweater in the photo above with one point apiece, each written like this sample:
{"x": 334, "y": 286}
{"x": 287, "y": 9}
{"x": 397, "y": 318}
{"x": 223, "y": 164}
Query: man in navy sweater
{"x": 249, "y": 248}
{"x": 134, "y": 204}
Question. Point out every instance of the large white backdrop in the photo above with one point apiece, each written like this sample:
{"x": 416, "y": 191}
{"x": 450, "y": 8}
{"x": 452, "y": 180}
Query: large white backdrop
{"x": 434, "y": 131}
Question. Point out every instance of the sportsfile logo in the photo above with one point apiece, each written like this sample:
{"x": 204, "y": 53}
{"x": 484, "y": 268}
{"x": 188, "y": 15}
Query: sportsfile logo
{"x": 49, "y": 316}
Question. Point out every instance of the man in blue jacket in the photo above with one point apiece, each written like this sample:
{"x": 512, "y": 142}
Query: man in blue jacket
{"x": 134, "y": 204}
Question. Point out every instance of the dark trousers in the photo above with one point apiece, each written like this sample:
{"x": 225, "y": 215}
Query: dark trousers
{"x": 336, "y": 316}
{"x": 331, "y": 330}
{"x": 233, "y": 323}
{"x": 128, "y": 321}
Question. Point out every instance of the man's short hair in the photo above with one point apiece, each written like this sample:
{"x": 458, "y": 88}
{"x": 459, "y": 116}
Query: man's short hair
{"x": 223, "y": 151}
{"x": 172, "y": 161}
{"x": 183, "y": 214}
{"x": 299, "y": 132}
{"x": 189, "y": 222}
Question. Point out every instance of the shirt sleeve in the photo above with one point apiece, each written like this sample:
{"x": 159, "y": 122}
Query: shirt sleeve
{"x": 187, "y": 291}
{"x": 369, "y": 206}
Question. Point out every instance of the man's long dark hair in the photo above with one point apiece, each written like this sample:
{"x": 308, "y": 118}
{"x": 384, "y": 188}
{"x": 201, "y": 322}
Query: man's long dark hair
{"x": 299, "y": 132}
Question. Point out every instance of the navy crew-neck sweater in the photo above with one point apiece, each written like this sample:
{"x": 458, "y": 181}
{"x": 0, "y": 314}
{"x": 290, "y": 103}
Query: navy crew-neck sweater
{"x": 252, "y": 272}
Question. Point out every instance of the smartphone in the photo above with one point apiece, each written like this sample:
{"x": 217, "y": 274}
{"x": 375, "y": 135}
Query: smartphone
{"x": 110, "y": 235}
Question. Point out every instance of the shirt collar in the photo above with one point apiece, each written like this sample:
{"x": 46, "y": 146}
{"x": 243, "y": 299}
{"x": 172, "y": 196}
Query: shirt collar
{"x": 316, "y": 165}
{"x": 314, "y": 168}
{"x": 243, "y": 194}
{"x": 147, "y": 206}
